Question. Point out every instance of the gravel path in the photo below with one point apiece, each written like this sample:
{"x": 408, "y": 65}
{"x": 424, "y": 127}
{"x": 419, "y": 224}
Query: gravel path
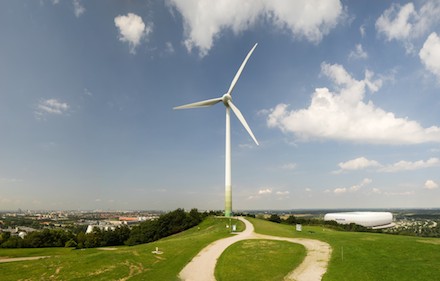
{"x": 202, "y": 266}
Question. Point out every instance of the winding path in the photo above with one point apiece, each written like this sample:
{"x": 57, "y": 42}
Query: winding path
{"x": 202, "y": 266}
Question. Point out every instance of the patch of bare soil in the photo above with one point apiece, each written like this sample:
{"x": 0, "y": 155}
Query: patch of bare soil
{"x": 435, "y": 242}
{"x": 100, "y": 271}
{"x": 22, "y": 259}
{"x": 135, "y": 269}
{"x": 107, "y": 249}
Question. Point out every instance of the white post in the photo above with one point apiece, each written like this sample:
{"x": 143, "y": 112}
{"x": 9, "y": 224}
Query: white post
{"x": 228, "y": 184}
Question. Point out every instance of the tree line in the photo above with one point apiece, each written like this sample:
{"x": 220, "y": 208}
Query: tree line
{"x": 148, "y": 231}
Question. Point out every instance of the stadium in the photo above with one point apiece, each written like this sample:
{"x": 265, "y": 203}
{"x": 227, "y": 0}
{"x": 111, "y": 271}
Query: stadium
{"x": 375, "y": 220}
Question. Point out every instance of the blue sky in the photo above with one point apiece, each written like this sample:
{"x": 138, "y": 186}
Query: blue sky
{"x": 343, "y": 97}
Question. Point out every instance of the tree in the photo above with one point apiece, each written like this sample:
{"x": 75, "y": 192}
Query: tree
{"x": 4, "y": 236}
{"x": 166, "y": 225}
{"x": 274, "y": 218}
{"x": 291, "y": 219}
{"x": 71, "y": 243}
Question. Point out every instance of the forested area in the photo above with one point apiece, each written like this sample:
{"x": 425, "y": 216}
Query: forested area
{"x": 148, "y": 231}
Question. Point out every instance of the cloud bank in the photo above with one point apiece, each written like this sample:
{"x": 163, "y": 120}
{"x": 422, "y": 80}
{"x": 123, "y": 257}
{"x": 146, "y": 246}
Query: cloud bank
{"x": 343, "y": 115}
{"x": 363, "y": 163}
{"x": 405, "y": 23}
{"x": 205, "y": 20}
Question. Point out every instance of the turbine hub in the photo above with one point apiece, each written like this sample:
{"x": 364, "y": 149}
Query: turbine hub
{"x": 225, "y": 98}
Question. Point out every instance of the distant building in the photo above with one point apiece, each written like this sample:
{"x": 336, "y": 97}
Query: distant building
{"x": 375, "y": 220}
{"x": 101, "y": 227}
{"x": 128, "y": 218}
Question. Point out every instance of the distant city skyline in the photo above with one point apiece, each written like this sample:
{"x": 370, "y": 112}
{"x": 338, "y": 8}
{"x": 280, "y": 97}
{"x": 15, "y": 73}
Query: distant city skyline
{"x": 344, "y": 99}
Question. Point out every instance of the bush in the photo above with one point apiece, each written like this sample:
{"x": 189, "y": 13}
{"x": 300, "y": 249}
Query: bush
{"x": 274, "y": 218}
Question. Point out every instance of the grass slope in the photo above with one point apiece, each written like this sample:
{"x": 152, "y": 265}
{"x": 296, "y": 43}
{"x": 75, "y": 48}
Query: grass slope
{"x": 369, "y": 256}
{"x": 123, "y": 263}
{"x": 356, "y": 256}
{"x": 259, "y": 260}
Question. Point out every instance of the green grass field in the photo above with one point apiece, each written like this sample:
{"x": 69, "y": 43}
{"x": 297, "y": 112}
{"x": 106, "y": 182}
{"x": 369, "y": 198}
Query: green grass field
{"x": 259, "y": 260}
{"x": 369, "y": 256}
{"x": 356, "y": 256}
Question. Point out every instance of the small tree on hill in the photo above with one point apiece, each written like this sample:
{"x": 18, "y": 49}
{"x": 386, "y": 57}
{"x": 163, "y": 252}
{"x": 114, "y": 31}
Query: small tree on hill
{"x": 274, "y": 218}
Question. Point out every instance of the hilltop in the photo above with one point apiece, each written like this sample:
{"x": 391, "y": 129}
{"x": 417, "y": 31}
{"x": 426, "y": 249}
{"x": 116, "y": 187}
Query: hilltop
{"x": 355, "y": 256}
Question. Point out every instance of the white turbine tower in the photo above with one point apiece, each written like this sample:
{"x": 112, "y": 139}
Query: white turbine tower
{"x": 227, "y": 101}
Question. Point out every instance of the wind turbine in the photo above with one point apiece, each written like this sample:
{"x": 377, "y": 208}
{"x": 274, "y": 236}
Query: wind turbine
{"x": 227, "y": 101}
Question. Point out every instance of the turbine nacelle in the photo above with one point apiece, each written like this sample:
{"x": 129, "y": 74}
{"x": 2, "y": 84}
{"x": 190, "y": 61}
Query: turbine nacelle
{"x": 226, "y": 98}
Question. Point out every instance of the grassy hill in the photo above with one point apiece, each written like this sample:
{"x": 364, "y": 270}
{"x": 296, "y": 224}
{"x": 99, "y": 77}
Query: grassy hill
{"x": 116, "y": 263}
{"x": 369, "y": 256}
{"x": 356, "y": 256}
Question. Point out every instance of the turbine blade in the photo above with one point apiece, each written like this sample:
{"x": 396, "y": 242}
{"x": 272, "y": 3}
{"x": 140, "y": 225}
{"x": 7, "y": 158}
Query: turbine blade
{"x": 237, "y": 75}
{"x": 204, "y": 103}
{"x": 242, "y": 120}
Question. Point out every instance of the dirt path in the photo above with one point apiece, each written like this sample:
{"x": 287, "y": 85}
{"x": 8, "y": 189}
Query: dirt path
{"x": 312, "y": 268}
{"x": 22, "y": 259}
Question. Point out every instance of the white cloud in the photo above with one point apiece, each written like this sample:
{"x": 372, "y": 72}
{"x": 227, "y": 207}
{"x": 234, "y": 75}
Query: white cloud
{"x": 132, "y": 29}
{"x": 308, "y": 189}
{"x": 409, "y": 166}
{"x": 265, "y": 191}
{"x": 404, "y": 23}
{"x": 353, "y": 188}
{"x": 340, "y": 190}
{"x": 430, "y": 54}
{"x": 204, "y": 21}
{"x": 394, "y": 22}
{"x": 344, "y": 115}
{"x": 430, "y": 184}
{"x": 289, "y": 166}
{"x": 358, "y": 53}
{"x": 359, "y": 163}
{"x": 78, "y": 8}
{"x": 51, "y": 106}
{"x": 362, "y": 163}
